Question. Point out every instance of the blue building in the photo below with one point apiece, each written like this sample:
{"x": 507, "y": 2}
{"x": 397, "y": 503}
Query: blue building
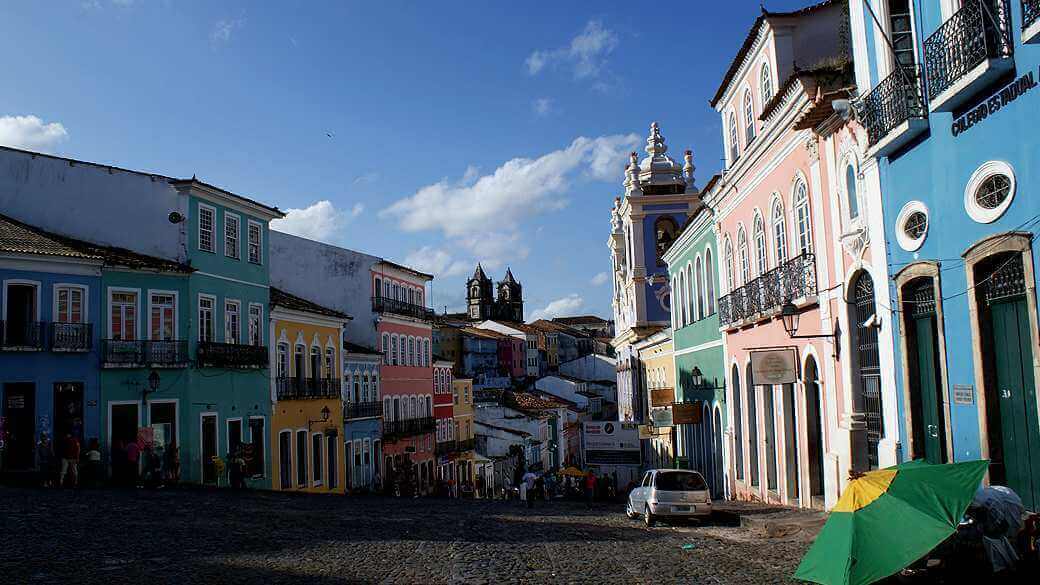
{"x": 50, "y": 301}
{"x": 362, "y": 415}
{"x": 948, "y": 96}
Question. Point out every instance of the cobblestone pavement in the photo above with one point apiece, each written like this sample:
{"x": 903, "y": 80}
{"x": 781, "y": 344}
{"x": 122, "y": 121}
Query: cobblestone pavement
{"x": 185, "y": 536}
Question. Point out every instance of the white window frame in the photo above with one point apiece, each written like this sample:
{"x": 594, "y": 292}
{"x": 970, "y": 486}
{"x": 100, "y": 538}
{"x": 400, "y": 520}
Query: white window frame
{"x": 213, "y": 316}
{"x": 765, "y": 74}
{"x": 259, "y": 324}
{"x": 237, "y": 220}
{"x": 108, "y": 325}
{"x": 292, "y": 455}
{"x": 213, "y": 228}
{"x": 781, "y": 252}
{"x": 805, "y": 237}
{"x": 981, "y": 174}
{"x": 238, "y": 310}
{"x": 267, "y": 446}
{"x": 251, "y": 223}
{"x": 321, "y": 459}
{"x": 710, "y": 294}
{"x": 904, "y": 240}
{"x": 176, "y": 311}
{"x": 84, "y": 301}
{"x": 216, "y": 427}
{"x": 227, "y": 434}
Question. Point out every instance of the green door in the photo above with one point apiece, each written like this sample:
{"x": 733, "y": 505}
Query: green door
{"x": 1016, "y": 392}
{"x": 928, "y": 387}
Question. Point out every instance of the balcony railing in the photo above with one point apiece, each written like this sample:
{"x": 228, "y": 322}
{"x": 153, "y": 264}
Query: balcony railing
{"x": 231, "y": 355}
{"x": 408, "y": 427}
{"x": 446, "y": 447}
{"x": 307, "y": 388}
{"x": 72, "y": 336}
{"x": 1030, "y": 13}
{"x": 139, "y": 353}
{"x": 467, "y": 445}
{"x": 794, "y": 279}
{"x": 354, "y": 410}
{"x": 22, "y": 336}
{"x": 396, "y": 307}
{"x": 895, "y": 101}
{"x": 979, "y": 31}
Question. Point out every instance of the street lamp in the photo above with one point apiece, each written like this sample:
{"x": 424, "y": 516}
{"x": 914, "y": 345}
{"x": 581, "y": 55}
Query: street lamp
{"x": 153, "y": 380}
{"x": 699, "y": 382}
{"x": 325, "y": 412}
{"x": 790, "y": 315}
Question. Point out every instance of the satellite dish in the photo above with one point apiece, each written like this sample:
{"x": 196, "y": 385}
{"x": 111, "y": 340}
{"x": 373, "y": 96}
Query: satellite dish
{"x": 175, "y": 217}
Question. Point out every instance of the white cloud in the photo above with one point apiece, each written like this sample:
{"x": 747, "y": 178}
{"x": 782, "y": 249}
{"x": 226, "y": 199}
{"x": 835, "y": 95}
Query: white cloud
{"x": 223, "y": 30}
{"x": 542, "y": 106}
{"x": 568, "y": 305}
{"x": 585, "y": 55}
{"x": 436, "y": 261}
{"x": 600, "y": 279}
{"x": 367, "y": 178}
{"x": 321, "y": 221}
{"x": 30, "y": 132}
{"x": 494, "y": 249}
{"x": 519, "y": 189}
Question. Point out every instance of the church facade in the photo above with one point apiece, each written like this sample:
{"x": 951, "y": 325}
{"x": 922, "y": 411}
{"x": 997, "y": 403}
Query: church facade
{"x": 485, "y": 300}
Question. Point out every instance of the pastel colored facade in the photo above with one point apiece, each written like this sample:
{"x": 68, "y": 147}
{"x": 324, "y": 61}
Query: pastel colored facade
{"x": 404, "y": 327}
{"x": 659, "y": 196}
{"x": 697, "y": 347}
{"x": 958, "y": 162}
{"x": 50, "y": 296}
{"x": 469, "y": 463}
{"x": 658, "y": 374}
{"x": 362, "y": 416}
{"x": 785, "y": 242}
{"x": 521, "y": 331}
{"x": 481, "y": 358}
{"x": 305, "y": 390}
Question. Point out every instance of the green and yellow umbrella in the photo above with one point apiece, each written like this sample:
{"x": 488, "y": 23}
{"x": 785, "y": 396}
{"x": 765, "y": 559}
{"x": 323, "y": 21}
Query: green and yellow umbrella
{"x": 889, "y": 518}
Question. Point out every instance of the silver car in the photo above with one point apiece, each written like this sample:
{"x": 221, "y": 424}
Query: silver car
{"x": 667, "y": 493}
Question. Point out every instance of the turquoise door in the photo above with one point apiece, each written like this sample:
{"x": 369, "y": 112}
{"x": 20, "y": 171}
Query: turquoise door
{"x": 929, "y": 430}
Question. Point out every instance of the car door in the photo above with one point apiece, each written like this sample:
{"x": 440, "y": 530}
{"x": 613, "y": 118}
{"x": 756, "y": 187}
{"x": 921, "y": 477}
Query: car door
{"x": 640, "y": 493}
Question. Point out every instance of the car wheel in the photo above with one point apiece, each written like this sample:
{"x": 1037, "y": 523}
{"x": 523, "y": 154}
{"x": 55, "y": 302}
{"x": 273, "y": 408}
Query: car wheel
{"x": 630, "y": 512}
{"x": 648, "y": 517}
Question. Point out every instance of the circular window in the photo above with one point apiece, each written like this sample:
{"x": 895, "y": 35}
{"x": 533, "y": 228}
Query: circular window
{"x": 912, "y": 226}
{"x": 990, "y": 191}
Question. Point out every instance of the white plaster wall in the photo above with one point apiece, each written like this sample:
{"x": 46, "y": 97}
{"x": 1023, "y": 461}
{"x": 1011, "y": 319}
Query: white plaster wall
{"x": 590, "y": 367}
{"x": 562, "y": 389}
{"x": 92, "y": 202}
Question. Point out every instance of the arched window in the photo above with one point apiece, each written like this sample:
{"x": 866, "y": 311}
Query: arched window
{"x": 730, "y": 283}
{"x": 283, "y": 360}
{"x": 386, "y": 349}
{"x": 665, "y": 231}
{"x": 691, "y": 295}
{"x": 765, "y": 84}
{"x": 426, "y": 350}
{"x": 673, "y": 299}
{"x": 379, "y": 287}
{"x": 803, "y": 218}
{"x": 393, "y": 350}
{"x": 387, "y": 410}
{"x": 779, "y": 232}
{"x": 699, "y": 277}
{"x": 330, "y": 363}
{"x": 850, "y": 191}
{"x": 411, "y": 351}
{"x": 734, "y": 148}
{"x": 762, "y": 261}
{"x": 749, "y": 118}
{"x": 315, "y": 363}
{"x": 738, "y": 426}
{"x": 365, "y": 389}
{"x": 683, "y": 306}
{"x": 745, "y": 256}
{"x": 709, "y": 282}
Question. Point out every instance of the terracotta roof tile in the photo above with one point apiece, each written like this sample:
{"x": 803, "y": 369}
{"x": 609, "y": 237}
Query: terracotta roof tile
{"x": 280, "y": 298}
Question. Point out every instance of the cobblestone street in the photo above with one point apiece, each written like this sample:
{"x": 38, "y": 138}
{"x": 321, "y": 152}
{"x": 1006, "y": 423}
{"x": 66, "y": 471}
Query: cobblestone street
{"x": 258, "y": 537}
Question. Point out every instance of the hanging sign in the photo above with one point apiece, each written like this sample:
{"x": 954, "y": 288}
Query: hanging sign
{"x": 993, "y": 104}
{"x": 662, "y": 417}
{"x": 661, "y": 397}
{"x": 774, "y": 366}
{"x": 687, "y": 413}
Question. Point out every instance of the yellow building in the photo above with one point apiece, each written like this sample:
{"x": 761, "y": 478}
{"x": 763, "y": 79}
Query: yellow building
{"x": 462, "y": 412}
{"x": 658, "y": 375}
{"x": 307, "y": 413}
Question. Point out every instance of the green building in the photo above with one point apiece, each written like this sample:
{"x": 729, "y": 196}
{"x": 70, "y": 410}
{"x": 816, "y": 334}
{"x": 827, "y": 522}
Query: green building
{"x": 698, "y": 351}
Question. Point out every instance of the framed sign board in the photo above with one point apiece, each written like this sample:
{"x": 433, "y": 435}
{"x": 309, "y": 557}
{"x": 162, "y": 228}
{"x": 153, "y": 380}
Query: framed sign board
{"x": 661, "y": 397}
{"x": 687, "y": 413}
{"x": 774, "y": 366}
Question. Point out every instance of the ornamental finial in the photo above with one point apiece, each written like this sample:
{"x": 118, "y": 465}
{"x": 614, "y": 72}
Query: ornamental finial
{"x": 655, "y": 142}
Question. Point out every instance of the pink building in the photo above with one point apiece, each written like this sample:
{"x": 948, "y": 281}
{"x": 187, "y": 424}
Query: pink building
{"x": 404, "y": 327}
{"x": 787, "y": 233}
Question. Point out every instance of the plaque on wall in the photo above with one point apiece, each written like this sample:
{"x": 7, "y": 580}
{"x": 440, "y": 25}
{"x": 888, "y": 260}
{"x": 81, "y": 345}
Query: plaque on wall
{"x": 963, "y": 394}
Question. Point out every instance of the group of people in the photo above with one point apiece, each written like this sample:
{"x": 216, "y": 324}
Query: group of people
{"x": 66, "y": 464}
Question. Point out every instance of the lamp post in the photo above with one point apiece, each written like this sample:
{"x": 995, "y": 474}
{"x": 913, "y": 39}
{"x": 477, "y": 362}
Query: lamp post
{"x": 325, "y": 412}
{"x": 790, "y": 315}
{"x": 699, "y": 382}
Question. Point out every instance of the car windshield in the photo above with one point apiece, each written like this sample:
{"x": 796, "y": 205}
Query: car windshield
{"x": 678, "y": 481}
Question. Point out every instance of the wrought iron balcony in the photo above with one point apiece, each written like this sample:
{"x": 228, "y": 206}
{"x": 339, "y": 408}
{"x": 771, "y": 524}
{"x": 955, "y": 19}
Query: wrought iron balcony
{"x": 231, "y": 355}
{"x": 968, "y": 51}
{"x": 396, "y": 307}
{"x": 117, "y": 353}
{"x": 467, "y": 445}
{"x": 293, "y": 388}
{"x": 409, "y": 427}
{"x": 1030, "y": 13}
{"x": 446, "y": 447}
{"x": 894, "y": 111}
{"x": 353, "y": 410}
{"x": 794, "y": 279}
{"x": 25, "y": 336}
{"x": 72, "y": 336}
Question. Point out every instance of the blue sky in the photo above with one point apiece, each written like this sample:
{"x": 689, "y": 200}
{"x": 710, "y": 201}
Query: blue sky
{"x": 460, "y": 131}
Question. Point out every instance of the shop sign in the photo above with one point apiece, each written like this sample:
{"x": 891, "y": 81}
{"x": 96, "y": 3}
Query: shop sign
{"x": 687, "y": 413}
{"x": 661, "y": 417}
{"x": 661, "y": 397}
{"x": 611, "y": 443}
{"x": 774, "y": 366}
{"x": 646, "y": 432}
{"x": 993, "y": 104}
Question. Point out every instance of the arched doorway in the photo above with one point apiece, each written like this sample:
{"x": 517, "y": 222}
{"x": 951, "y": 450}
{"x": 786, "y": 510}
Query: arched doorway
{"x": 707, "y": 450}
{"x": 867, "y": 365}
{"x": 814, "y": 430}
{"x": 791, "y": 444}
{"x": 769, "y": 416}
{"x": 920, "y": 325}
{"x": 719, "y": 487}
{"x": 752, "y": 425}
{"x": 1009, "y": 384}
{"x": 738, "y": 425}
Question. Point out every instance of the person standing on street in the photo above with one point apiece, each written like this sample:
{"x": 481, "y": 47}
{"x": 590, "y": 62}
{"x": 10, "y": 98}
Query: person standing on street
{"x": 590, "y": 489}
{"x": 45, "y": 459}
{"x": 70, "y": 453}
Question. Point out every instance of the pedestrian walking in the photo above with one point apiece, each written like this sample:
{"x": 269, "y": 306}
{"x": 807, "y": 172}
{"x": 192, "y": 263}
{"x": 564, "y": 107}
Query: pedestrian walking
{"x": 92, "y": 465}
{"x": 45, "y": 459}
{"x": 527, "y": 488}
{"x": 172, "y": 464}
{"x": 590, "y": 489}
